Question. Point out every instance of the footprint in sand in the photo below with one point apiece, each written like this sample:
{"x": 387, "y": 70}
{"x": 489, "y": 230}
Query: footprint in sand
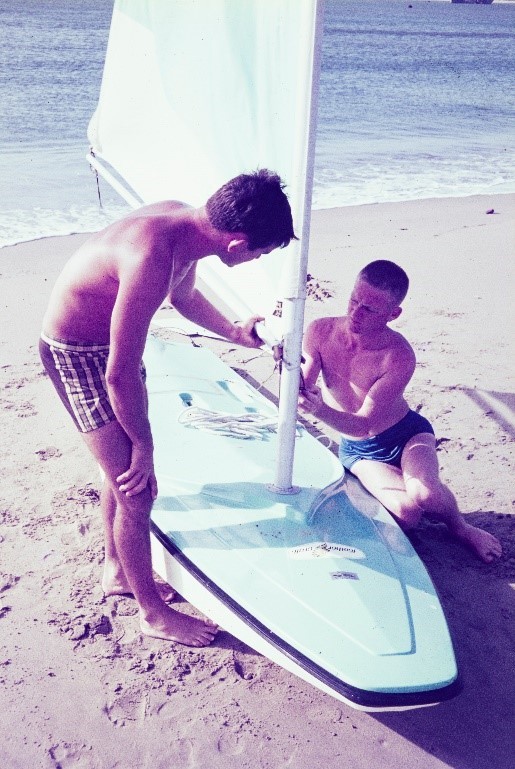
{"x": 230, "y": 744}
{"x": 178, "y": 754}
{"x": 76, "y": 533}
{"x": 8, "y": 581}
{"x": 181, "y": 754}
{"x": 138, "y": 703}
{"x": 243, "y": 667}
{"x": 26, "y": 409}
{"x": 131, "y": 706}
{"x": 48, "y": 453}
{"x": 326, "y": 715}
{"x": 66, "y": 755}
{"x": 123, "y": 606}
{"x": 175, "y": 707}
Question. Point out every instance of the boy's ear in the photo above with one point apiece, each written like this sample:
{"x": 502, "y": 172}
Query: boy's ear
{"x": 238, "y": 242}
{"x": 395, "y": 313}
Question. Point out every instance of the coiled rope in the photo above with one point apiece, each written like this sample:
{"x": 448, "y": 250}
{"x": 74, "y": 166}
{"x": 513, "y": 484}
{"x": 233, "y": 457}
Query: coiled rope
{"x": 244, "y": 426}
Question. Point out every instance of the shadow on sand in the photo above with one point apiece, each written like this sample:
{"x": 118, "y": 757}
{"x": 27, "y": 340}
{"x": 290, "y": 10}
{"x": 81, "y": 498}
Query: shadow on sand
{"x": 475, "y": 730}
{"x": 498, "y": 406}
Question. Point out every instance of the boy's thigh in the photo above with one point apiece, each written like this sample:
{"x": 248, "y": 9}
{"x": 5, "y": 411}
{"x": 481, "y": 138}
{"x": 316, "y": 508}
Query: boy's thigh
{"x": 419, "y": 459}
{"x": 379, "y": 478}
{"x": 112, "y": 449}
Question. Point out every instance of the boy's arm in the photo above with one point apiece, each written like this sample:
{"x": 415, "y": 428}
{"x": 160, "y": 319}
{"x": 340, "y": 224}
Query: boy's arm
{"x": 142, "y": 286}
{"x": 191, "y": 303}
{"x": 311, "y": 350}
{"x": 385, "y": 391}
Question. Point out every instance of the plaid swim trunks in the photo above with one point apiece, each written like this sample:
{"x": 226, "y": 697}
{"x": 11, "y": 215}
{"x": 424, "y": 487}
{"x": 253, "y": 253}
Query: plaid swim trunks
{"x": 77, "y": 372}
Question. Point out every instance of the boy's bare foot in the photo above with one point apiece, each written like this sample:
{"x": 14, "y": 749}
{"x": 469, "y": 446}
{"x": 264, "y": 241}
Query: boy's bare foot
{"x": 481, "y": 542}
{"x": 172, "y": 625}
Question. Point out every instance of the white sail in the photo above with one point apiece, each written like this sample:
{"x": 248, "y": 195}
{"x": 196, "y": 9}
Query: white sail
{"x": 195, "y": 92}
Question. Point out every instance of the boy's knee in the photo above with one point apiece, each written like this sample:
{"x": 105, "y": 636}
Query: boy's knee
{"x": 407, "y": 512}
{"x": 139, "y": 506}
{"x": 421, "y": 495}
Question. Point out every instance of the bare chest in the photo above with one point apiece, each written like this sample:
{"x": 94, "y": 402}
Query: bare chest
{"x": 349, "y": 374}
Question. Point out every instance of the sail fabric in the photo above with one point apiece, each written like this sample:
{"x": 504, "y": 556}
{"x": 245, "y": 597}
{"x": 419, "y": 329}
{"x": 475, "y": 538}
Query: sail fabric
{"x": 195, "y": 92}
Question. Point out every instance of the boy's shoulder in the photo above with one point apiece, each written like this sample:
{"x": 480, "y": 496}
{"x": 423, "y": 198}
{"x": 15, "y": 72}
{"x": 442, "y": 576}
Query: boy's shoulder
{"x": 152, "y": 220}
{"x": 148, "y": 231}
{"x": 326, "y": 323}
{"x": 400, "y": 349}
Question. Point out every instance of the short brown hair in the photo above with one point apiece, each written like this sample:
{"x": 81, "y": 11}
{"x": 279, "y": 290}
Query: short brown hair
{"x": 386, "y": 276}
{"x": 256, "y": 205}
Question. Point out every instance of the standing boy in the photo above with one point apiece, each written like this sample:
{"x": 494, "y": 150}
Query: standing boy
{"x": 93, "y": 338}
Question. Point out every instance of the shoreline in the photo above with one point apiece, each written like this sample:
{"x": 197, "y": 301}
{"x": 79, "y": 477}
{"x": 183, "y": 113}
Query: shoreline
{"x": 82, "y": 688}
{"x": 314, "y": 211}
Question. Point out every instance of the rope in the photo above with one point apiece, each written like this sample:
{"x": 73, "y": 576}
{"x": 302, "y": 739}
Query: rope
{"x": 94, "y": 170}
{"x": 245, "y": 426}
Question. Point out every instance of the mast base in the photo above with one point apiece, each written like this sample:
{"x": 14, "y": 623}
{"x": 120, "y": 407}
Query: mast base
{"x": 282, "y": 490}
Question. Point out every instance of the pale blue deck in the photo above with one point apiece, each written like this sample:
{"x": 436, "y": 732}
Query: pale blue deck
{"x": 373, "y": 621}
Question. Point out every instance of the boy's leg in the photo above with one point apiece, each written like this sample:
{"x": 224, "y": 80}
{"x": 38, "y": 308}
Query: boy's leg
{"x": 416, "y": 489}
{"x": 386, "y": 483}
{"x": 114, "y": 581}
{"x": 423, "y": 485}
{"x": 130, "y": 543}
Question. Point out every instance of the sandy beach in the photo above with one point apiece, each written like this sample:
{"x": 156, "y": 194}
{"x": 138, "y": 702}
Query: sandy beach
{"x": 80, "y": 687}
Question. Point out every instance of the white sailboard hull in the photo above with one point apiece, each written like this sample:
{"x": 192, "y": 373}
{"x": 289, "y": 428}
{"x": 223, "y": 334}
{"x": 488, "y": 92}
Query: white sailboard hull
{"x": 322, "y": 582}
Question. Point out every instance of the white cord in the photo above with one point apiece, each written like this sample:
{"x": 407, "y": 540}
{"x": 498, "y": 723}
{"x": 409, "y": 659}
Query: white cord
{"x": 248, "y": 425}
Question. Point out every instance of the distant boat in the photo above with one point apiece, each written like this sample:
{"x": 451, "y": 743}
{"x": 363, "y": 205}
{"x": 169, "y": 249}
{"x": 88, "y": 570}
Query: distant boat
{"x": 474, "y": 2}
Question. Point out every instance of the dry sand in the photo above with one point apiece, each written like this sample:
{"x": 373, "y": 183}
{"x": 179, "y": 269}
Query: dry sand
{"x": 80, "y": 687}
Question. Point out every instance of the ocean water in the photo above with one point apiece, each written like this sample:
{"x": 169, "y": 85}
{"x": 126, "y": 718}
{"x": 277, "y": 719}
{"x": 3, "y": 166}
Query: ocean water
{"x": 414, "y": 103}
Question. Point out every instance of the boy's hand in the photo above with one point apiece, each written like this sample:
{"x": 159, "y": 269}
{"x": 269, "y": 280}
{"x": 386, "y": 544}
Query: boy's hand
{"x": 246, "y": 333}
{"x": 140, "y": 474}
{"x": 310, "y": 400}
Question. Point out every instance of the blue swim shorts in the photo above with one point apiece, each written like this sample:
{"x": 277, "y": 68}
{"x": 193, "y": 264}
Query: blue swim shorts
{"x": 386, "y": 447}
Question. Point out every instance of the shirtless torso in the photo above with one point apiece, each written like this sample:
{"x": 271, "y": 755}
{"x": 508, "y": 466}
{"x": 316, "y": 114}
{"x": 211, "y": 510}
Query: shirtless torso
{"x": 112, "y": 286}
{"x": 353, "y": 373}
{"x": 365, "y": 365}
{"x": 147, "y": 250}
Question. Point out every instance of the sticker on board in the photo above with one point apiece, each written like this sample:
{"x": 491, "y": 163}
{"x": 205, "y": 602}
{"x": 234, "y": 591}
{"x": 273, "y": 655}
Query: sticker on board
{"x": 325, "y": 550}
